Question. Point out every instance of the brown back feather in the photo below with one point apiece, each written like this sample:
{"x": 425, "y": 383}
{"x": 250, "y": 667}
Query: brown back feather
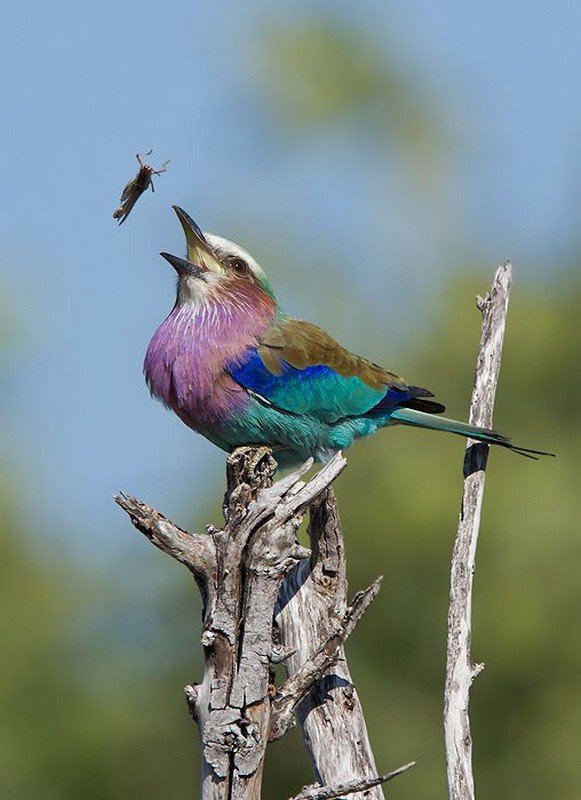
{"x": 302, "y": 344}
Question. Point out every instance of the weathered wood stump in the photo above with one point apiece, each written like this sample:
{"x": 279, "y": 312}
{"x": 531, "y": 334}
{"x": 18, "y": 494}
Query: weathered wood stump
{"x": 266, "y": 600}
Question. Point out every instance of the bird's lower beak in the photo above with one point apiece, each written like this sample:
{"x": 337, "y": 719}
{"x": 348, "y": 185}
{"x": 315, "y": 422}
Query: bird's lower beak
{"x": 183, "y": 267}
{"x": 200, "y": 251}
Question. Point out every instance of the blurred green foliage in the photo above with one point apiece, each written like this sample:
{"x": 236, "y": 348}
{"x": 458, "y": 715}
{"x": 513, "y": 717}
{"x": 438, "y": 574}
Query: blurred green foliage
{"x": 321, "y": 74}
{"x": 72, "y": 700}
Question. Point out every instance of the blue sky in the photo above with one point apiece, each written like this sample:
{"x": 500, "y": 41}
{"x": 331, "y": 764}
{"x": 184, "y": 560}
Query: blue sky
{"x": 85, "y": 86}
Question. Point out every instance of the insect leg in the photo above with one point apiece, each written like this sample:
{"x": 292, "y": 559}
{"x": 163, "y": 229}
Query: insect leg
{"x": 139, "y": 156}
{"x": 163, "y": 168}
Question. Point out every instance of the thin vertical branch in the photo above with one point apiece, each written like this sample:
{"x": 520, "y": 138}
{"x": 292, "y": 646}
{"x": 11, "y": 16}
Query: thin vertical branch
{"x": 460, "y": 669}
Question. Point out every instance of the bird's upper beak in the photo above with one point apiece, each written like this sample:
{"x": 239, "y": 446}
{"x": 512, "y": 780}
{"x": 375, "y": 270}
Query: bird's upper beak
{"x": 200, "y": 252}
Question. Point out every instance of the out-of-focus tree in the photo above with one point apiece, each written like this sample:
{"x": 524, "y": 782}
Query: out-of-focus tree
{"x": 335, "y": 88}
{"x": 81, "y": 715}
{"x": 321, "y": 73}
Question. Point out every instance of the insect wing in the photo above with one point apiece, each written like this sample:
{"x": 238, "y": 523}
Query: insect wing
{"x": 128, "y": 187}
{"x": 125, "y": 208}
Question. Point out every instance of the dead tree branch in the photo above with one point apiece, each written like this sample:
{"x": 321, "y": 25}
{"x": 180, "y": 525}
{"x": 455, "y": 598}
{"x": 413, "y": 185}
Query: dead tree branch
{"x": 349, "y": 787}
{"x": 460, "y": 669}
{"x": 240, "y": 569}
{"x": 295, "y": 688}
{"x": 312, "y": 599}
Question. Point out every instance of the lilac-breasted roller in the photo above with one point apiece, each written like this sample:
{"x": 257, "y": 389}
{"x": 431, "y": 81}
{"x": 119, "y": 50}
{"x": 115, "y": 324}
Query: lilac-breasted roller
{"x": 235, "y": 368}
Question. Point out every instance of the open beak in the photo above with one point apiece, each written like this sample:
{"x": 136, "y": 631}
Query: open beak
{"x": 183, "y": 267}
{"x": 200, "y": 251}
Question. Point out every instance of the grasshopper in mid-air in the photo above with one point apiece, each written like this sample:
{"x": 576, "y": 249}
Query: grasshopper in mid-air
{"x": 136, "y": 186}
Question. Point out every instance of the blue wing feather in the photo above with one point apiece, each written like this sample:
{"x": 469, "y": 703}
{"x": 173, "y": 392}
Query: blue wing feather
{"x": 316, "y": 390}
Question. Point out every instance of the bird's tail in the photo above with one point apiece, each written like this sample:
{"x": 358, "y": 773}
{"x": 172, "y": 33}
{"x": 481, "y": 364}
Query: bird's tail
{"x": 420, "y": 419}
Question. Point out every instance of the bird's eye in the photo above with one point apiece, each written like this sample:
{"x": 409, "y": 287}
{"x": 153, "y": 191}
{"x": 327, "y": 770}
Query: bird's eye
{"x": 240, "y": 266}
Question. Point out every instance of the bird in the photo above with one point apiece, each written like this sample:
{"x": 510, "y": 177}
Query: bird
{"x": 236, "y": 369}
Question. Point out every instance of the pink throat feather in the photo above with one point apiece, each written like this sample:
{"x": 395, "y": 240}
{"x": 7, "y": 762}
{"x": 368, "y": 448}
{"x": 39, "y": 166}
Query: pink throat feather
{"x": 186, "y": 362}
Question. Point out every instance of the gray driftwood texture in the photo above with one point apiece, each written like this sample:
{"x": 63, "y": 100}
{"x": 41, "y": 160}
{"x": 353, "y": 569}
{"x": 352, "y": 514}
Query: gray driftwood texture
{"x": 240, "y": 569}
{"x": 460, "y": 669}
